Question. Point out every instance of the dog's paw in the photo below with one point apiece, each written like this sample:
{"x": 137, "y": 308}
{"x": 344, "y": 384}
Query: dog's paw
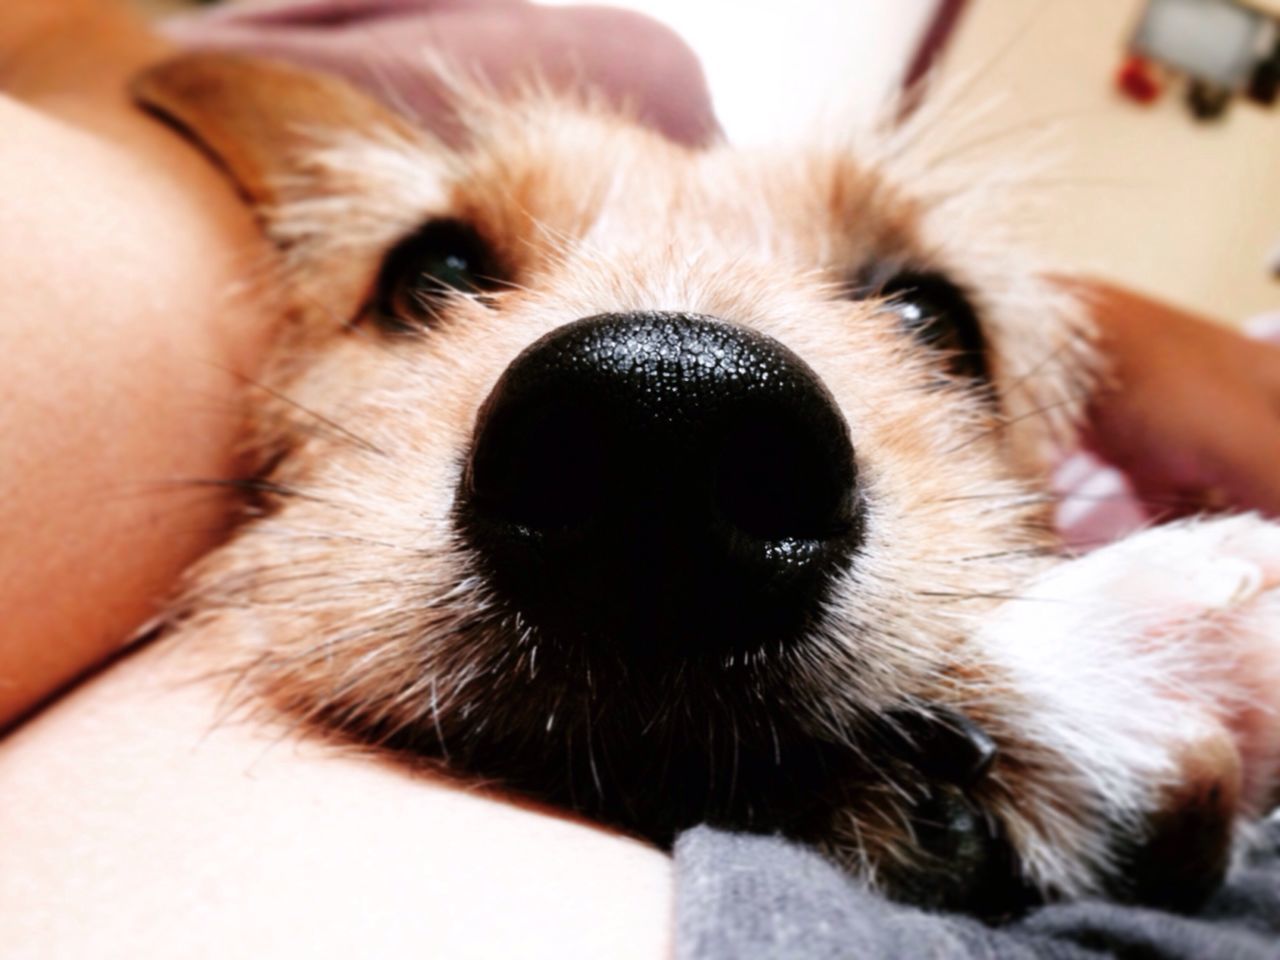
{"x": 1182, "y": 619}
{"x": 1185, "y": 569}
{"x": 1151, "y": 669}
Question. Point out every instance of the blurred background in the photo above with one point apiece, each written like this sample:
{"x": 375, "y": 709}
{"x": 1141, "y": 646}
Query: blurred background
{"x": 1183, "y": 208}
{"x": 1163, "y": 128}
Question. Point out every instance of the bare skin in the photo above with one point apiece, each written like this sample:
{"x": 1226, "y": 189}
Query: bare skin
{"x": 107, "y": 325}
{"x": 122, "y": 351}
{"x": 1193, "y": 411}
{"x": 133, "y": 827}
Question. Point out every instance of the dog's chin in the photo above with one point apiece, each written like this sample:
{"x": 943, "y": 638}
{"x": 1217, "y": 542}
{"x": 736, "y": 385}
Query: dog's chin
{"x": 655, "y": 744}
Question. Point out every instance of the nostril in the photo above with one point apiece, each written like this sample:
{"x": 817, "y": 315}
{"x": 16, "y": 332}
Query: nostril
{"x": 779, "y": 478}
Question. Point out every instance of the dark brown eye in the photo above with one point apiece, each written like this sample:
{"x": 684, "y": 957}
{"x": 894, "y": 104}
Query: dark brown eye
{"x": 938, "y": 314}
{"x": 423, "y": 269}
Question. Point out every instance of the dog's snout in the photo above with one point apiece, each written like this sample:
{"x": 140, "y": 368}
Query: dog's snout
{"x": 662, "y": 478}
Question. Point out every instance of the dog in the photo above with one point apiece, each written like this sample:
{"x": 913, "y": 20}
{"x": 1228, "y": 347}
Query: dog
{"x": 679, "y": 485}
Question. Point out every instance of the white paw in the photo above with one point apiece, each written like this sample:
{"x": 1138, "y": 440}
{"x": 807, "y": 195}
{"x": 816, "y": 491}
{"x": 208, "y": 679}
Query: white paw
{"x": 1150, "y": 642}
{"x": 1163, "y": 572}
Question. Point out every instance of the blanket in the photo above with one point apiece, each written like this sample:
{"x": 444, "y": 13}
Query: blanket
{"x": 743, "y": 897}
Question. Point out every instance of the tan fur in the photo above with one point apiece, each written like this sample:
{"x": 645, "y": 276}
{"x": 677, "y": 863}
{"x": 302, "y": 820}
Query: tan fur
{"x": 349, "y": 604}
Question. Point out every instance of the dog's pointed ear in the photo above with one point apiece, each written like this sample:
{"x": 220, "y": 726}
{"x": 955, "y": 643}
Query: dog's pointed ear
{"x": 256, "y": 117}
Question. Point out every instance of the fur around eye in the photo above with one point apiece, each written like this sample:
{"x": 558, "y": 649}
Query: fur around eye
{"x": 423, "y": 269}
{"x": 939, "y": 315}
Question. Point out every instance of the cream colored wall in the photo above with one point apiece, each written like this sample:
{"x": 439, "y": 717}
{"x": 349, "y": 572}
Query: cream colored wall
{"x": 1186, "y": 211}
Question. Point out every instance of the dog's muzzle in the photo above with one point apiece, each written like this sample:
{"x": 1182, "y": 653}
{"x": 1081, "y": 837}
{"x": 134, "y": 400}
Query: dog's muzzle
{"x": 661, "y": 483}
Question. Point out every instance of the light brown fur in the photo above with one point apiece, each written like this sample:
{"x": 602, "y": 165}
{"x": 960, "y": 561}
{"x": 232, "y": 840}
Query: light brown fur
{"x": 348, "y": 603}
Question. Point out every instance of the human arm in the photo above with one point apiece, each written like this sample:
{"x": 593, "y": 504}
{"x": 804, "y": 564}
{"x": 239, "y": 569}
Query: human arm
{"x": 1188, "y": 407}
{"x": 121, "y": 343}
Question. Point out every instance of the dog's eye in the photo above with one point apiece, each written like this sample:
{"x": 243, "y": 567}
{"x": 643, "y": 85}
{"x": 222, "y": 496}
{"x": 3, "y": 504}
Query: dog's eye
{"x": 938, "y": 314}
{"x": 443, "y": 257}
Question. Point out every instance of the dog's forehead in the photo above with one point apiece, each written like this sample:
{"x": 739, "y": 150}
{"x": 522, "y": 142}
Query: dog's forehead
{"x": 578, "y": 176}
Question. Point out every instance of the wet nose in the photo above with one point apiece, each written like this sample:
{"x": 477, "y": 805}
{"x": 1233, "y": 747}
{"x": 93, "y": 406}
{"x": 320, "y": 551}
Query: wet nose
{"x": 663, "y": 482}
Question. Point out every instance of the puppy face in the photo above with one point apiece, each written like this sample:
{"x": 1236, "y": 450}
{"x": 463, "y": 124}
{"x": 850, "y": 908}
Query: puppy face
{"x": 668, "y": 485}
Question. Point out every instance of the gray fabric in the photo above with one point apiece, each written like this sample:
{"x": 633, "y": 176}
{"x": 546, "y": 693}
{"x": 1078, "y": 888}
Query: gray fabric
{"x": 741, "y": 897}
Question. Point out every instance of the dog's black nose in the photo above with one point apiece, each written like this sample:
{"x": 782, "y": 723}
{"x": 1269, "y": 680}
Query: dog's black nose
{"x": 663, "y": 480}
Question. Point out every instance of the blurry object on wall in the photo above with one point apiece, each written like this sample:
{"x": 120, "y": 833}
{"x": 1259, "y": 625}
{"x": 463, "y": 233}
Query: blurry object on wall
{"x": 1140, "y": 80}
{"x": 1224, "y": 49}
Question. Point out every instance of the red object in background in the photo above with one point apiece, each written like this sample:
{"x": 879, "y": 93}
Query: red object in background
{"x": 1137, "y": 80}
